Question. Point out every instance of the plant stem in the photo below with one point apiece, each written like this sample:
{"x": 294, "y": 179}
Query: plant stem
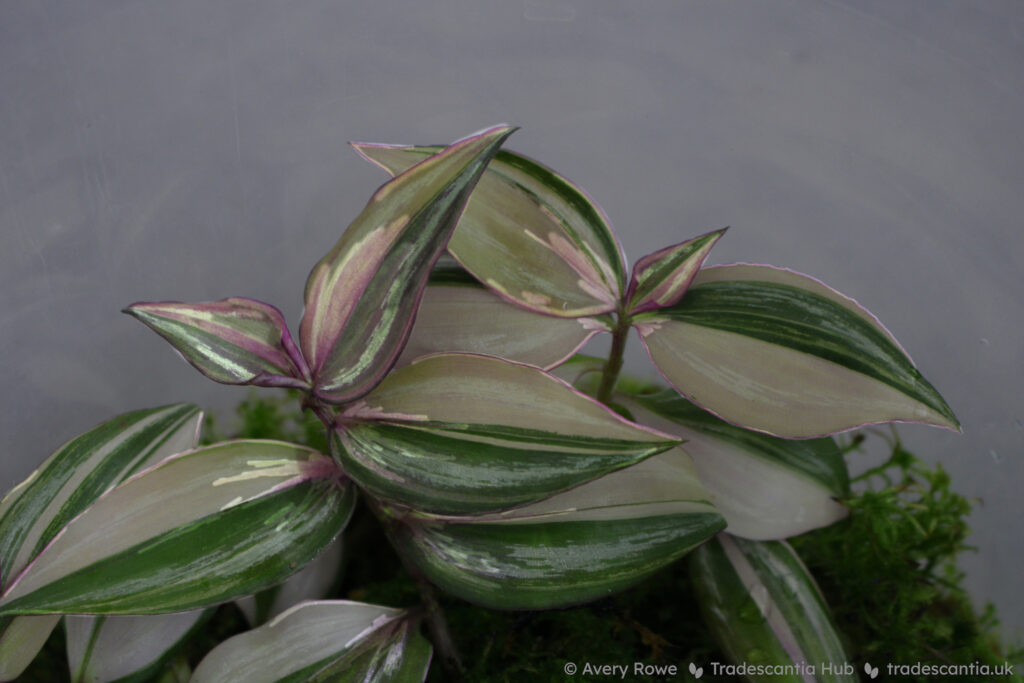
{"x": 614, "y": 364}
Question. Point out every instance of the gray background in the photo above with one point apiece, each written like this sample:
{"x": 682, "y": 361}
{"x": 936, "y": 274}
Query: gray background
{"x": 195, "y": 150}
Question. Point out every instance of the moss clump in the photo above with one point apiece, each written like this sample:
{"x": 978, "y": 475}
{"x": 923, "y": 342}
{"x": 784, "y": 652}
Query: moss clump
{"x": 889, "y": 570}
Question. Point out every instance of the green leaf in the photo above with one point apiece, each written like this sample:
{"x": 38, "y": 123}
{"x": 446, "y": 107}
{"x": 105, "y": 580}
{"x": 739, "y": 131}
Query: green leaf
{"x": 459, "y": 314}
{"x": 361, "y": 298}
{"x": 764, "y": 608}
{"x": 66, "y": 484}
{"x": 335, "y": 640}
{"x": 458, "y": 433}
{"x": 233, "y": 341}
{"x": 123, "y": 649}
{"x": 197, "y": 529}
{"x": 764, "y": 486}
{"x": 781, "y": 353}
{"x": 530, "y": 234}
{"x": 662, "y": 278}
{"x": 577, "y": 546}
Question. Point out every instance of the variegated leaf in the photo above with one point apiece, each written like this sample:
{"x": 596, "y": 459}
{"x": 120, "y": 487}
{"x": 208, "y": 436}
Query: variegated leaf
{"x": 199, "y": 528}
{"x": 63, "y": 486}
{"x": 107, "y": 649}
{"x": 577, "y": 546}
{"x": 764, "y": 486}
{"x": 757, "y": 597}
{"x": 233, "y": 341}
{"x": 337, "y": 641}
{"x": 459, "y": 314}
{"x": 458, "y": 433}
{"x": 361, "y": 298}
{"x": 529, "y": 233}
{"x": 662, "y": 278}
{"x": 781, "y": 353}
{"x": 313, "y": 582}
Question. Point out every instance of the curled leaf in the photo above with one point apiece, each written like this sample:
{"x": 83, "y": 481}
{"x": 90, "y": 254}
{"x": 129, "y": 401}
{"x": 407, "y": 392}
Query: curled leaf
{"x": 233, "y": 341}
{"x": 361, "y": 297}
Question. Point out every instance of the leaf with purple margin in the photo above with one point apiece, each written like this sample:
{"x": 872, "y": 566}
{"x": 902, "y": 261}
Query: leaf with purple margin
{"x": 459, "y": 433}
{"x": 781, "y": 353}
{"x": 330, "y": 640}
{"x": 530, "y": 234}
{"x": 662, "y": 278}
{"x": 199, "y": 528}
{"x": 764, "y": 486}
{"x": 759, "y": 596}
{"x": 361, "y": 298}
{"x": 232, "y": 341}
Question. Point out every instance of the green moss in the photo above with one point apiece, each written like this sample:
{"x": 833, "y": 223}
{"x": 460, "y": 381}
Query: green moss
{"x": 889, "y": 571}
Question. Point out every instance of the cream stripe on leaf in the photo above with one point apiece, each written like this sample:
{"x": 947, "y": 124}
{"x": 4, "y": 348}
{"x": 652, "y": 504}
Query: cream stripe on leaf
{"x": 786, "y": 356}
{"x": 65, "y": 484}
{"x": 361, "y": 297}
{"x": 197, "y": 529}
{"x": 327, "y": 640}
{"x": 764, "y": 486}
{"x": 759, "y": 597}
{"x": 576, "y": 546}
{"x": 463, "y": 434}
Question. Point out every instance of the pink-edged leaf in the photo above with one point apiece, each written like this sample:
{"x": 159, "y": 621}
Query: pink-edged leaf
{"x": 662, "y": 278}
{"x": 779, "y": 352}
{"x": 530, "y": 234}
{"x": 766, "y": 488}
{"x": 361, "y": 298}
{"x": 198, "y": 528}
{"x": 232, "y": 341}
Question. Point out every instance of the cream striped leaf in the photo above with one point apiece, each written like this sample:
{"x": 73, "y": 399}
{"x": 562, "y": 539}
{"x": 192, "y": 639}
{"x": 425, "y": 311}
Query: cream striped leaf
{"x": 764, "y": 486}
{"x": 63, "y": 486}
{"x": 574, "y": 547}
{"x": 361, "y": 297}
{"x": 333, "y": 640}
{"x": 530, "y": 234}
{"x": 460, "y": 434}
{"x": 197, "y": 529}
{"x": 662, "y": 278}
{"x": 758, "y": 597}
{"x": 233, "y": 341}
{"x": 781, "y": 353}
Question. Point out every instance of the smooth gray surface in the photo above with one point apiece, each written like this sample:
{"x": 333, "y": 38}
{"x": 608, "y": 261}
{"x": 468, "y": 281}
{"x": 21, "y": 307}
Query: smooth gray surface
{"x": 195, "y": 150}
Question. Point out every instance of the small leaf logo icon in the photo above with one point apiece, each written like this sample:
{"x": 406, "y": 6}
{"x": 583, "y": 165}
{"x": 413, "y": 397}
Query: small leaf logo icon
{"x": 696, "y": 671}
{"x": 871, "y": 671}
